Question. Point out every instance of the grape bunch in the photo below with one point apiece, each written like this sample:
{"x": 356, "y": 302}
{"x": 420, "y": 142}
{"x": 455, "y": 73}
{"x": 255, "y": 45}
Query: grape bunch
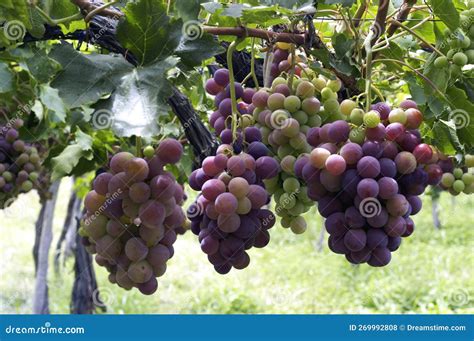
{"x": 366, "y": 177}
{"x": 228, "y": 215}
{"x": 460, "y": 179}
{"x": 220, "y": 120}
{"x": 461, "y": 44}
{"x": 281, "y": 62}
{"x": 284, "y": 119}
{"x": 20, "y": 163}
{"x": 133, "y": 212}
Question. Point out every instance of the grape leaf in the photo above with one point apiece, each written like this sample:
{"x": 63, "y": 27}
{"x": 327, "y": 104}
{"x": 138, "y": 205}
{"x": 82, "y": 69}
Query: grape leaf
{"x": 211, "y": 7}
{"x": 193, "y": 51}
{"x": 344, "y": 3}
{"x": 102, "y": 72}
{"x": 53, "y": 102}
{"x": 188, "y": 9}
{"x": 141, "y": 94}
{"x": 41, "y": 67}
{"x": 234, "y": 10}
{"x": 151, "y": 39}
{"x": 6, "y": 76}
{"x": 446, "y": 11}
{"x": 64, "y": 163}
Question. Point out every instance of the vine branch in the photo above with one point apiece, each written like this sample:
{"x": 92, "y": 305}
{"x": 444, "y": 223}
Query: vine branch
{"x": 87, "y": 6}
{"x": 240, "y": 31}
{"x": 405, "y": 10}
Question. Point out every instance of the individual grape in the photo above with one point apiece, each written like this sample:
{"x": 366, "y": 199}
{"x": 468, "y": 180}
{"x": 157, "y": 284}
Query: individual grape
{"x": 380, "y": 256}
{"x": 357, "y": 135}
{"x": 368, "y": 188}
{"x": 338, "y": 131}
{"x": 335, "y": 164}
{"x": 152, "y": 213}
{"x": 415, "y": 204}
{"x": 149, "y": 287}
{"x": 260, "y": 99}
{"x": 169, "y": 151}
{"x": 347, "y": 106}
{"x": 119, "y": 162}
{"x": 238, "y": 186}
{"x": 212, "y": 189}
{"x": 357, "y": 116}
{"x": 140, "y": 272}
{"x": 372, "y": 148}
{"x": 376, "y": 134}
{"x": 458, "y": 186}
{"x": 351, "y": 152}
{"x": 397, "y": 205}
{"x": 137, "y": 169}
{"x": 406, "y": 162}
{"x": 226, "y": 203}
{"x": 423, "y": 153}
{"x": 298, "y": 225}
{"x": 353, "y": 218}
{"x": 394, "y": 130}
{"x": 276, "y": 101}
{"x": 311, "y": 105}
{"x": 376, "y": 238}
{"x": 136, "y": 249}
{"x": 414, "y": 118}
{"x": 380, "y": 219}
{"x": 355, "y": 240}
{"x": 221, "y": 77}
{"x": 395, "y": 227}
{"x": 388, "y": 168}
{"x": 388, "y": 187}
{"x": 368, "y": 167}
{"x": 318, "y": 157}
{"x": 397, "y": 115}
{"x": 371, "y": 119}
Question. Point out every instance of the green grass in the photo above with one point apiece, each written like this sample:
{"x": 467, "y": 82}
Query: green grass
{"x": 432, "y": 272}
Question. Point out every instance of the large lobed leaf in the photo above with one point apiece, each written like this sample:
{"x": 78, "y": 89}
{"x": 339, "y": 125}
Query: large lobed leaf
{"x": 148, "y": 32}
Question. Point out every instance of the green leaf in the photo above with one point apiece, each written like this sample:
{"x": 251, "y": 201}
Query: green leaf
{"x": 211, "y": 7}
{"x": 188, "y": 9}
{"x": 37, "y": 23}
{"x": 64, "y": 163}
{"x": 6, "y": 78}
{"x": 446, "y": 11}
{"x": 344, "y": 3}
{"x": 102, "y": 72}
{"x": 139, "y": 100}
{"x": 17, "y": 15}
{"x": 53, "y": 102}
{"x": 59, "y": 9}
{"x": 41, "y": 67}
{"x": 193, "y": 52}
{"x": 148, "y": 32}
{"x": 234, "y": 10}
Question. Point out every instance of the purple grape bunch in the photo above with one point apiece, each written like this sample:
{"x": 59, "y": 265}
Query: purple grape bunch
{"x": 20, "y": 163}
{"x": 229, "y": 215}
{"x": 284, "y": 115}
{"x": 368, "y": 188}
{"x": 133, "y": 214}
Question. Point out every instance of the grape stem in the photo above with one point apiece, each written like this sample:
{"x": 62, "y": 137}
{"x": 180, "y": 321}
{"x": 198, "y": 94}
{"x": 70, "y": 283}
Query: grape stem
{"x": 416, "y": 35}
{"x": 252, "y": 66}
{"x": 233, "y": 98}
{"x": 368, "y": 72}
{"x": 292, "y": 68}
{"x": 138, "y": 142}
{"x": 429, "y": 81}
